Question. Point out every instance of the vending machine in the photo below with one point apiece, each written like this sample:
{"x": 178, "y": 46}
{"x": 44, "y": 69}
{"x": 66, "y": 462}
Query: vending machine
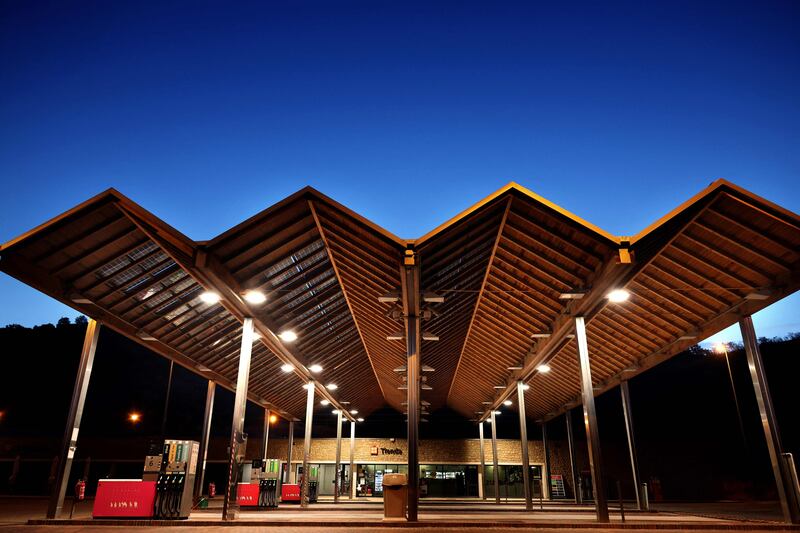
{"x": 175, "y": 480}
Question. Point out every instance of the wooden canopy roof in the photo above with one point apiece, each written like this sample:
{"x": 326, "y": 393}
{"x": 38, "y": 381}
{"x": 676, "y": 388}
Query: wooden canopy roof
{"x": 504, "y": 267}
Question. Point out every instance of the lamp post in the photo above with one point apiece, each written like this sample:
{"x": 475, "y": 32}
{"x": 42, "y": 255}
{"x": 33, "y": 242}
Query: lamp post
{"x": 722, "y": 348}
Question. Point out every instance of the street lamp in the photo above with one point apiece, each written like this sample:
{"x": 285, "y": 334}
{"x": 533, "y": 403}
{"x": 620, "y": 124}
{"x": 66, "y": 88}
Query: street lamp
{"x": 134, "y": 417}
{"x": 722, "y": 348}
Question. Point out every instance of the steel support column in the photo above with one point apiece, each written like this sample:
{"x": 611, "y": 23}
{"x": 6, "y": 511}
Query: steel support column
{"x": 482, "y": 471}
{"x": 626, "y": 410}
{"x": 265, "y": 433}
{"x": 70, "y": 442}
{"x": 572, "y": 462}
{"x": 494, "y": 459}
{"x": 203, "y": 452}
{"x": 411, "y": 310}
{"x": 352, "y": 460}
{"x": 338, "y": 476}
{"x": 230, "y": 505}
{"x": 523, "y": 440}
{"x": 289, "y": 472}
{"x": 166, "y": 400}
{"x": 590, "y": 422}
{"x": 783, "y": 479}
{"x": 307, "y": 445}
{"x": 546, "y": 473}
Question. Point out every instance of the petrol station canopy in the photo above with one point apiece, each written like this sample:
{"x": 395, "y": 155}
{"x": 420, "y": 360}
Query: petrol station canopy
{"x": 502, "y": 282}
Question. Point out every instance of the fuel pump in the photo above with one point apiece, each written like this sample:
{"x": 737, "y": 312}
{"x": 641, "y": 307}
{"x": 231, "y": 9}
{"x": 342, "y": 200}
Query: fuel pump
{"x": 259, "y": 488}
{"x": 313, "y": 477}
{"x": 175, "y": 479}
{"x": 268, "y": 484}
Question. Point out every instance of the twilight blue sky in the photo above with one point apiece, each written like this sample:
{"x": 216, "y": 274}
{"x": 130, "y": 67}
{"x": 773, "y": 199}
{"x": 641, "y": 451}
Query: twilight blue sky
{"x": 207, "y": 112}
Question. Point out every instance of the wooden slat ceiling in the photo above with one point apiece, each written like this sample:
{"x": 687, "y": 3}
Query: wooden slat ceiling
{"x": 99, "y": 261}
{"x": 283, "y": 254}
{"x": 501, "y": 267}
{"x": 454, "y": 264}
{"x": 534, "y": 254}
{"x": 368, "y": 267}
{"x": 684, "y": 291}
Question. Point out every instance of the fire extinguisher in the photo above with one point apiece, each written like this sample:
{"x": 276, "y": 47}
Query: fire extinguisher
{"x": 80, "y": 494}
{"x": 80, "y": 490}
{"x": 212, "y": 490}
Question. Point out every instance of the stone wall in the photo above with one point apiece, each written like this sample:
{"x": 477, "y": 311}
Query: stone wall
{"x": 464, "y": 451}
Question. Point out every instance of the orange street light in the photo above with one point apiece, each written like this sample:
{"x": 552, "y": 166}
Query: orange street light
{"x": 134, "y": 417}
{"x": 273, "y": 419}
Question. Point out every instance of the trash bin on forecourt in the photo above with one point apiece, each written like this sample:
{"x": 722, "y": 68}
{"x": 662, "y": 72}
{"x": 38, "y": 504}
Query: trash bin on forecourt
{"x": 395, "y": 495}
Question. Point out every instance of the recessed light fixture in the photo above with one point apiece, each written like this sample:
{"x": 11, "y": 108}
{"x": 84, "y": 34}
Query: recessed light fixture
{"x": 572, "y": 295}
{"x": 335, "y": 411}
{"x": 287, "y": 368}
{"x": 331, "y": 386}
{"x": 687, "y": 337}
{"x": 255, "y": 297}
{"x": 497, "y": 413}
{"x": 389, "y": 298}
{"x": 324, "y": 402}
{"x": 359, "y": 419}
{"x": 428, "y": 336}
{"x": 508, "y": 402}
{"x": 499, "y": 386}
{"x": 515, "y": 367}
{"x": 145, "y": 336}
{"x": 308, "y": 386}
{"x": 526, "y": 387}
{"x": 486, "y": 403}
{"x": 618, "y": 295}
{"x": 396, "y": 336}
{"x": 540, "y": 335}
{"x": 432, "y": 298}
{"x": 288, "y": 335}
{"x": 209, "y": 297}
{"x": 353, "y": 411}
{"x": 761, "y": 294}
{"x": 316, "y": 369}
{"x": 543, "y": 368}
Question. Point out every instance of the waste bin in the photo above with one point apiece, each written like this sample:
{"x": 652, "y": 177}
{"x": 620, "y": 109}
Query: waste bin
{"x": 395, "y": 495}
